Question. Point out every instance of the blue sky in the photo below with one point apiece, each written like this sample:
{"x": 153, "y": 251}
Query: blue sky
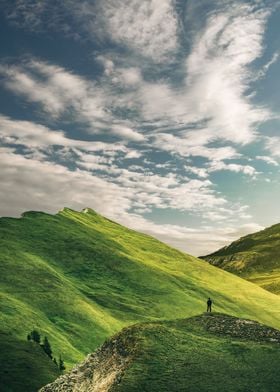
{"x": 160, "y": 114}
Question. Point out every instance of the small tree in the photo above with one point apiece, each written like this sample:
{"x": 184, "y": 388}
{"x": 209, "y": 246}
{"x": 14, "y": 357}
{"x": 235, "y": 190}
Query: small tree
{"x": 55, "y": 361}
{"x": 29, "y": 337}
{"x": 47, "y": 347}
{"x": 35, "y": 336}
{"x": 61, "y": 365}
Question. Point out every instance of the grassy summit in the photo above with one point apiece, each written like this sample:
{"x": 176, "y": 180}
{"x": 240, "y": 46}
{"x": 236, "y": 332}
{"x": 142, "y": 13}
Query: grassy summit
{"x": 208, "y": 353}
{"x": 255, "y": 257}
{"x": 78, "y": 278}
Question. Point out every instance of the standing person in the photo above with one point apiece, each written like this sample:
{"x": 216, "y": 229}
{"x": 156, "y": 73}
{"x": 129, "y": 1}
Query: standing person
{"x": 209, "y": 305}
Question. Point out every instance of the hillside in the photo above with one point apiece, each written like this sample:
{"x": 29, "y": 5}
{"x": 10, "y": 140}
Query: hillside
{"x": 24, "y": 365}
{"x": 255, "y": 257}
{"x": 206, "y": 353}
{"x": 79, "y": 278}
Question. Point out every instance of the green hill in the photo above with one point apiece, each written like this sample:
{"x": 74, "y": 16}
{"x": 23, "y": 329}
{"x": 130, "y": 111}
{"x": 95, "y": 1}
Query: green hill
{"x": 255, "y": 257}
{"x": 24, "y": 365}
{"x": 208, "y": 353}
{"x": 79, "y": 278}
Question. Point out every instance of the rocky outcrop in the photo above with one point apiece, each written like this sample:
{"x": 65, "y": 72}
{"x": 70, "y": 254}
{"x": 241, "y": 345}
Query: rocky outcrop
{"x": 222, "y": 324}
{"x": 101, "y": 370}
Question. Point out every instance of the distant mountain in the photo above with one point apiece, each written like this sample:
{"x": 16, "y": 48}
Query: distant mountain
{"x": 207, "y": 353}
{"x": 255, "y": 257}
{"x": 79, "y": 278}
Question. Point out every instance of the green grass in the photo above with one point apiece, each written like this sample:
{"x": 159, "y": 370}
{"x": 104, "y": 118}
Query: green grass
{"x": 24, "y": 365}
{"x": 79, "y": 278}
{"x": 184, "y": 356}
{"x": 206, "y": 353}
{"x": 255, "y": 257}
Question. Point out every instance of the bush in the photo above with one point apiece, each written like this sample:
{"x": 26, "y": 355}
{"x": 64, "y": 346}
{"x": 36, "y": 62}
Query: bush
{"x": 47, "y": 347}
{"x": 35, "y": 336}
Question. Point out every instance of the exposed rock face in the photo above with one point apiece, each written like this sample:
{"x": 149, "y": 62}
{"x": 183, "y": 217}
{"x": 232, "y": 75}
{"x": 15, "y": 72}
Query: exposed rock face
{"x": 101, "y": 370}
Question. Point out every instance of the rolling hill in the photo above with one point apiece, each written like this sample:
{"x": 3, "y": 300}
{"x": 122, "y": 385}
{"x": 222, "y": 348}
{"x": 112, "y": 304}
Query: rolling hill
{"x": 255, "y": 257}
{"x": 208, "y": 353}
{"x": 79, "y": 278}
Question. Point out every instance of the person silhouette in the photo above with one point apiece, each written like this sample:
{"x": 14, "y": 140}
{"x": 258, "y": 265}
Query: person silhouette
{"x": 209, "y": 305}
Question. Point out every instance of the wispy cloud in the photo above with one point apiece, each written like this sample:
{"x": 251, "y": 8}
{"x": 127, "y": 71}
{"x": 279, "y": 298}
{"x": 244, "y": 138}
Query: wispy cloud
{"x": 138, "y": 26}
{"x": 30, "y": 184}
{"x": 34, "y": 135}
{"x": 67, "y": 96}
{"x": 267, "y": 159}
{"x": 234, "y": 167}
{"x": 178, "y": 82}
{"x": 135, "y": 25}
{"x": 190, "y": 146}
{"x": 213, "y": 93}
{"x": 218, "y": 72}
{"x": 272, "y": 144}
{"x": 266, "y": 67}
{"x": 217, "y": 78}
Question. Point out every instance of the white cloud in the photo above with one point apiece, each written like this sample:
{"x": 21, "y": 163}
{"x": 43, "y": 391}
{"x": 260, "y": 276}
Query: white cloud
{"x": 55, "y": 88}
{"x": 268, "y": 160}
{"x": 130, "y": 76}
{"x": 153, "y": 190}
{"x": 34, "y": 135}
{"x": 208, "y": 113}
{"x": 212, "y": 103}
{"x": 133, "y": 154}
{"x": 272, "y": 144}
{"x": 29, "y": 184}
{"x": 217, "y": 78}
{"x": 199, "y": 171}
{"x": 65, "y": 95}
{"x": 126, "y": 133}
{"x": 149, "y": 27}
{"x": 266, "y": 67}
{"x": 213, "y": 94}
{"x": 192, "y": 146}
{"x": 234, "y": 167}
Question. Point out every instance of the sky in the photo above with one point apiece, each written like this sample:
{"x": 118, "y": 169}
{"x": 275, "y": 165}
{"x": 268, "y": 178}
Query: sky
{"x": 162, "y": 115}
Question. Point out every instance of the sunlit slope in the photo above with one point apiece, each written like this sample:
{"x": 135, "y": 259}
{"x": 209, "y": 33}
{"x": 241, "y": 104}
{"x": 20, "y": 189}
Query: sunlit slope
{"x": 255, "y": 257}
{"x": 78, "y": 278}
{"x": 207, "y": 353}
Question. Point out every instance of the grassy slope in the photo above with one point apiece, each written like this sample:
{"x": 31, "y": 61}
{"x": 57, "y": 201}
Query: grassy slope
{"x": 79, "y": 278}
{"x": 184, "y": 356}
{"x": 207, "y": 353}
{"x": 24, "y": 365}
{"x": 255, "y": 257}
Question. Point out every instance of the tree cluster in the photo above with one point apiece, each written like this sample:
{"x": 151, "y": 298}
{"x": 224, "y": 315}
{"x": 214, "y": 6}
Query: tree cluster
{"x": 36, "y": 337}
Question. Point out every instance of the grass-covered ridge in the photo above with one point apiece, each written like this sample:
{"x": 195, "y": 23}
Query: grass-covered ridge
{"x": 79, "y": 278}
{"x": 208, "y": 353}
{"x": 255, "y": 257}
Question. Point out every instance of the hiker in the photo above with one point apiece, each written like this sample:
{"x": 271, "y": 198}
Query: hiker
{"x": 209, "y": 305}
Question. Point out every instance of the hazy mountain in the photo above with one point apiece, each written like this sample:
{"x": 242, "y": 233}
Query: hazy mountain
{"x": 255, "y": 257}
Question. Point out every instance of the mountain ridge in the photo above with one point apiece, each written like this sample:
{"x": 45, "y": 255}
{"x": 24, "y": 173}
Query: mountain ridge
{"x": 254, "y": 257}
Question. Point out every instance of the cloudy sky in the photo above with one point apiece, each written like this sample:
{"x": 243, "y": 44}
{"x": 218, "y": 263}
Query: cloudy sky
{"x": 160, "y": 114}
